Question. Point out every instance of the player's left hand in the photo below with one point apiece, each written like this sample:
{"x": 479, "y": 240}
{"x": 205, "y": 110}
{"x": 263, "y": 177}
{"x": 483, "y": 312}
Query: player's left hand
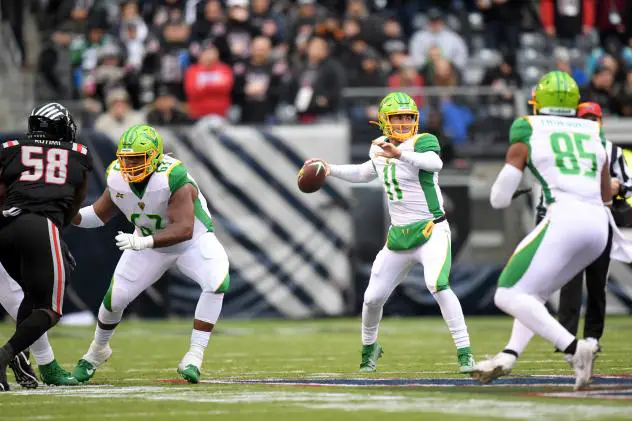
{"x": 388, "y": 149}
{"x": 126, "y": 241}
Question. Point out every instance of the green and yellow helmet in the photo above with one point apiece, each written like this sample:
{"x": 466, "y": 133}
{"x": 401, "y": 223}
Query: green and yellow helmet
{"x": 393, "y": 104}
{"x": 556, "y": 93}
{"x": 139, "y": 152}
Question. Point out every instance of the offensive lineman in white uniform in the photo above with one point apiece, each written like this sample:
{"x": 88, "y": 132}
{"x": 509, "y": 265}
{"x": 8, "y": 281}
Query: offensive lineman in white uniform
{"x": 173, "y": 227}
{"x": 567, "y": 158}
{"x": 408, "y": 165}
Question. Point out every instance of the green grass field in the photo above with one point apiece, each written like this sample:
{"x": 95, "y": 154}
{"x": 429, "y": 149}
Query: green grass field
{"x": 140, "y": 381}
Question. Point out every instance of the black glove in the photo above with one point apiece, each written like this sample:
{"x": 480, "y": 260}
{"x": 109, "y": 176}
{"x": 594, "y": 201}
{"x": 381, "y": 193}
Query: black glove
{"x": 68, "y": 257}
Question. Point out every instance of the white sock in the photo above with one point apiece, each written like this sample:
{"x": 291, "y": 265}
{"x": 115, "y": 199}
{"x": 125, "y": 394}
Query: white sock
{"x": 520, "y": 337}
{"x": 107, "y": 317}
{"x": 371, "y": 316}
{"x": 533, "y": 315}
{"x": 199, "y": 342}
{"x": 453, "y": 316}
{"x": 42, "y": 351}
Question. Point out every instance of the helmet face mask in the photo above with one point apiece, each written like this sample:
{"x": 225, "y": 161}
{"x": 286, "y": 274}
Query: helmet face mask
{"x": 391, "y": 118}
{"x": 139, "y": 153}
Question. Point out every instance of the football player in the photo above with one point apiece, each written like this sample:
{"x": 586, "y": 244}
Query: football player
{"x": 408, "y": 165}
{"x": 566, "y": 156}
{"x": 173, "y": 227}
{"x": 46, "y": 178}
{"x": 11, "y": 296}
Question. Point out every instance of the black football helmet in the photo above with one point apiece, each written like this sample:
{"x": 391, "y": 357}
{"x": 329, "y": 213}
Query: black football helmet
{"x": 52, "y": 121}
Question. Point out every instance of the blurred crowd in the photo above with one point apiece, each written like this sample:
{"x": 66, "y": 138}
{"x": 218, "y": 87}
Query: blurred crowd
{"x": 265, "y": 61}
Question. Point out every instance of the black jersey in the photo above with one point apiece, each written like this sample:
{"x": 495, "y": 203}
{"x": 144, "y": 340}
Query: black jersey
{"x": 41, "y": 176}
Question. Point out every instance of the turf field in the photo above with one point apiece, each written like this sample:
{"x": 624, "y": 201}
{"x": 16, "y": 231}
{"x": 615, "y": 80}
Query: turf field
{"x": 307, "y": 370}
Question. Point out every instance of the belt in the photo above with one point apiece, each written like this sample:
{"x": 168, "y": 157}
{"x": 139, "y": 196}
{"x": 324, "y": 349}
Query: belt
{"x": 439, "y": 219}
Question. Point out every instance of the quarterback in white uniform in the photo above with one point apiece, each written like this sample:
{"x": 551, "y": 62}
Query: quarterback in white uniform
{"x": 408, "y": 164}
{"x": 173, "y": 227}
{"x": 567, "y": 158}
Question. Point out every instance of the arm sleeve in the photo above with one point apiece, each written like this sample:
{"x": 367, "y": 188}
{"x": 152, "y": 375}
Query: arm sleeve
{"x": 505, "y": 186}
{"x": 427, "y": 161}
{"x": 362, "y": 173}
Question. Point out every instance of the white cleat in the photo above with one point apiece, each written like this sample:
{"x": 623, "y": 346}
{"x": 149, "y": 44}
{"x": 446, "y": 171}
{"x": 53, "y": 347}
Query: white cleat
{"x": 583, "y": 360}
{"x": 97, "y": 355}
{"x": 488, "y": 370}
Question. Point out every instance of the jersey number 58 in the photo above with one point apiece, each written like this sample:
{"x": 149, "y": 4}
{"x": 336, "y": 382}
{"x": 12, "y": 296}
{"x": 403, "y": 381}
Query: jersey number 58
{"x": 53, "y": 167}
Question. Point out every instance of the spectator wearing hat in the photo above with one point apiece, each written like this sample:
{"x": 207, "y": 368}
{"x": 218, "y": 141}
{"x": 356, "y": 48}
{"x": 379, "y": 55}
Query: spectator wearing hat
{"x": 258, "y": 83}
{"x": 316, "y": 90}
{"x": 166, "y": 111}
{"x": 451, "y": 45}
{"x": 208, "y": 84}
{"x": 119, "y": 116}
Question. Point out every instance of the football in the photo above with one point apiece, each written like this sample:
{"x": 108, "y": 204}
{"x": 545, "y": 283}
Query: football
{"x": 312, "y": 177}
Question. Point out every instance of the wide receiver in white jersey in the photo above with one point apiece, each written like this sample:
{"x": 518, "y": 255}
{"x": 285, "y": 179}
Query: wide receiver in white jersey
{"x": 173, "y": 228}
{"x": 408, "y": 164}
{"x": 567, "y": 158}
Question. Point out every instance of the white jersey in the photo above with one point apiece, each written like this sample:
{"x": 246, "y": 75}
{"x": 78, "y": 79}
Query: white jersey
{"x": 566, "y": 156}
{"x": 147, "y": 209}
{"x": 413, "y": 194}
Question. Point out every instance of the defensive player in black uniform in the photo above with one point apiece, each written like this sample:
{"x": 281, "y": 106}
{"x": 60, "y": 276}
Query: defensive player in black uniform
{"x": 45, "y": 180}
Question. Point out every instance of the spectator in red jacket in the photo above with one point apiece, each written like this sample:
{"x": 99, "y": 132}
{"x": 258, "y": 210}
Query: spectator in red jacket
{"x": 208, "y": 84}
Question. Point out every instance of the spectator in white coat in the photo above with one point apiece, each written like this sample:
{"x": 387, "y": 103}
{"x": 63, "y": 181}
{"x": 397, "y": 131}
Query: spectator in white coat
{"x": 452, "y": 46}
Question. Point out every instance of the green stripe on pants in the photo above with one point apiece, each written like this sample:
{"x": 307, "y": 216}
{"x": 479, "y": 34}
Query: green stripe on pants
{"x": 520, "y": 261}
{"x": 443, "y": 281}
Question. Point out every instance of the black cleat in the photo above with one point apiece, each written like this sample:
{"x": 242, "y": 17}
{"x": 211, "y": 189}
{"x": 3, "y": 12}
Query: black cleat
{"x": 4, "y": 384}
{"x": 23, "y": 371}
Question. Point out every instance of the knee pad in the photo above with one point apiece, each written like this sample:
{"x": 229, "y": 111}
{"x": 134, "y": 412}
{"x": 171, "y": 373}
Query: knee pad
{"x": 372, "y": 298}
{"x": 116, "y": 300}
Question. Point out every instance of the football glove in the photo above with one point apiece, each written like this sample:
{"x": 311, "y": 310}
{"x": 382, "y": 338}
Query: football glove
{"x": 132, "y": 242}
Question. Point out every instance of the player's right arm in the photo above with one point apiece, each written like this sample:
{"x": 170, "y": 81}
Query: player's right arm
{"x": 97, "y": 214}
{"x": 362, "y": 173}
{"x": 510, "y": 176}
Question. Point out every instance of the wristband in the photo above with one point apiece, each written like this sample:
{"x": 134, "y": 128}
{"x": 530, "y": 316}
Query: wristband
{"x": 89, "y": 218}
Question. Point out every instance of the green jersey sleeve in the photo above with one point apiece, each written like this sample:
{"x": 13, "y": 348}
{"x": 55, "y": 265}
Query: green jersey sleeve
{"x": 520, "y": 131}
{"x": 178, "y": 177}
{"x": 427, "y": 142}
